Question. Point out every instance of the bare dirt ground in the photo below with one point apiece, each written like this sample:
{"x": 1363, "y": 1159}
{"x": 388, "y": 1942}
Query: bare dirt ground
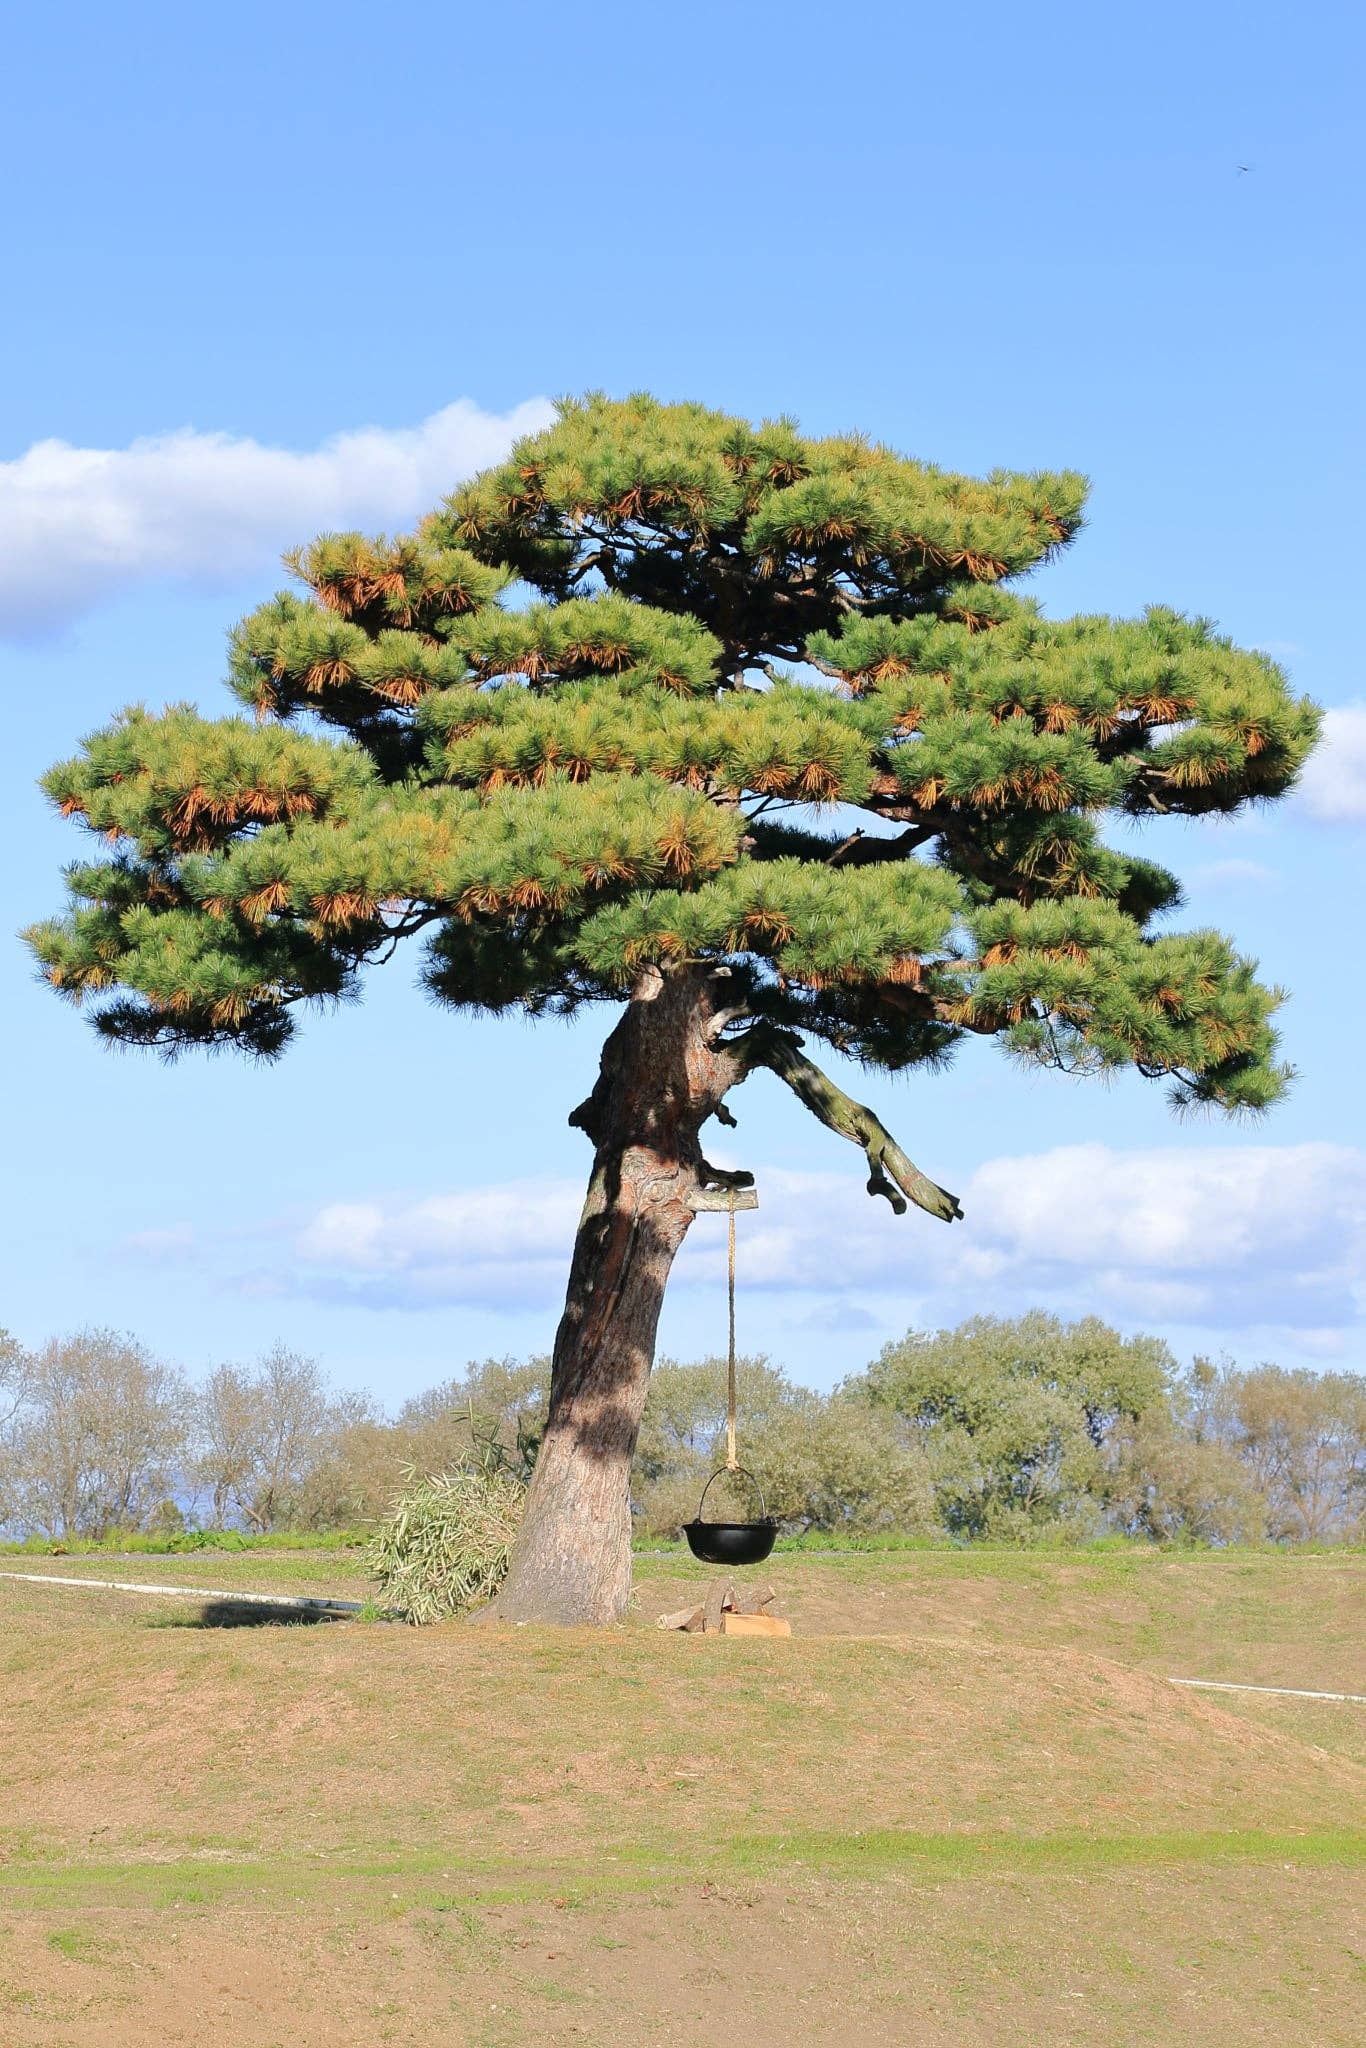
{"x": 1149, "y": 1956}
{"x": 986, "y": 1818}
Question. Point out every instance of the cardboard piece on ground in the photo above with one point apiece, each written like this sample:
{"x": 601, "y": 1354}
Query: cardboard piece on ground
{"x": 754, "y": 1625}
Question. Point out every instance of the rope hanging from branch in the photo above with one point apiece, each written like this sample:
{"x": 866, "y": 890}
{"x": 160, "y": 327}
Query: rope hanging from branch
{"x": 732, "y": 1462}
{"x": 731, "y": 1543}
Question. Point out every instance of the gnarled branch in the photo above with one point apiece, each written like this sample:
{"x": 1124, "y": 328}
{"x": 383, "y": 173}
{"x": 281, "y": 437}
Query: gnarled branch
{"x": 859, "y": 850}
{"x": 890, "y": 1172}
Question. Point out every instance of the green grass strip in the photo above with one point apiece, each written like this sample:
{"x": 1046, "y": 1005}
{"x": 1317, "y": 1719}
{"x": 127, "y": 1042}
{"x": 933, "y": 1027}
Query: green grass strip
{"x": 633, "y": 1867}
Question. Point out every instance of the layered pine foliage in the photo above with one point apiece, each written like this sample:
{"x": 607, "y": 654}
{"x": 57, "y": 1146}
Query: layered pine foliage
{"x": 666, "y": 686}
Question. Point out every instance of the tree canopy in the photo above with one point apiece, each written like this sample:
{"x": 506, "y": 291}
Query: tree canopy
{"x": 666, "y": 686}
{"x": 1023, "y": 1421}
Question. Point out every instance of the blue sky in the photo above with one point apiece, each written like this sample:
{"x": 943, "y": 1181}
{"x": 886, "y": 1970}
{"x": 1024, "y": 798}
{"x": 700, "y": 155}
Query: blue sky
{"x": 255, "y": 258}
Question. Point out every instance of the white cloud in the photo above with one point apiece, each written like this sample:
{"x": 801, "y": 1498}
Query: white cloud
{"x": 1231, "y": 873}
{"x": 175, "y": 1242}
{"x": 77, "y": 524}
{"x": 502, "y": 1246}
{"x": 1168, "y": 1211}
{"x": 1333, "y": 786}
{"x": 1230, "y": 1238}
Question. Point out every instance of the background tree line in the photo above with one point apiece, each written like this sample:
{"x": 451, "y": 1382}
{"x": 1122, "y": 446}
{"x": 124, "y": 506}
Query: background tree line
{"x": 1008, "y": 1430}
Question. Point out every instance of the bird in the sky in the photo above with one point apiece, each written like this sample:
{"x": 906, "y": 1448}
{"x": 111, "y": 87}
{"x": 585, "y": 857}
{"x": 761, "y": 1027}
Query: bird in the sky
{"x": 1242, "y": 168}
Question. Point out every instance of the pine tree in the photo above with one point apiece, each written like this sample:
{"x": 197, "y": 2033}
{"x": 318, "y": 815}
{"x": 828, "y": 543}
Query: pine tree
{"x": 743, "y": 733}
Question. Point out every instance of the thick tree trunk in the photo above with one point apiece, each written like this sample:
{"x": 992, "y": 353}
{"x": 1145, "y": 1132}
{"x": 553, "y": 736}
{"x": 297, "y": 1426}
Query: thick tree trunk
{"x": 663, "y": 1074}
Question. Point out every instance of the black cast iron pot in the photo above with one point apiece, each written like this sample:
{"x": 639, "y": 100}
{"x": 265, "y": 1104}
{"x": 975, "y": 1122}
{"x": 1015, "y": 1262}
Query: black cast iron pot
{"x": 731, "y": 1542}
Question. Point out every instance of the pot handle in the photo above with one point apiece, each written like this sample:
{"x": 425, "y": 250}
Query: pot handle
{"x": 763, "y": 1504}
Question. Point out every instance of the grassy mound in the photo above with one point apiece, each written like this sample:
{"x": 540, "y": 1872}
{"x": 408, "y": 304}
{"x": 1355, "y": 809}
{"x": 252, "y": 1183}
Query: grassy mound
{"x": 962, "y": 1806}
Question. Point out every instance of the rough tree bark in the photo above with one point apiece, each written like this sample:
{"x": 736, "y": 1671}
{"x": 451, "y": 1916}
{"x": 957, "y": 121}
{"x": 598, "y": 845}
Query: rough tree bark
{"x": 664, "y": 1072}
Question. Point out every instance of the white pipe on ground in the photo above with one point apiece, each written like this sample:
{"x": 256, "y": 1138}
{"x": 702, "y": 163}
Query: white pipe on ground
{"x": 1290, "y": 1692}
{"x": 307, "y": 1602}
